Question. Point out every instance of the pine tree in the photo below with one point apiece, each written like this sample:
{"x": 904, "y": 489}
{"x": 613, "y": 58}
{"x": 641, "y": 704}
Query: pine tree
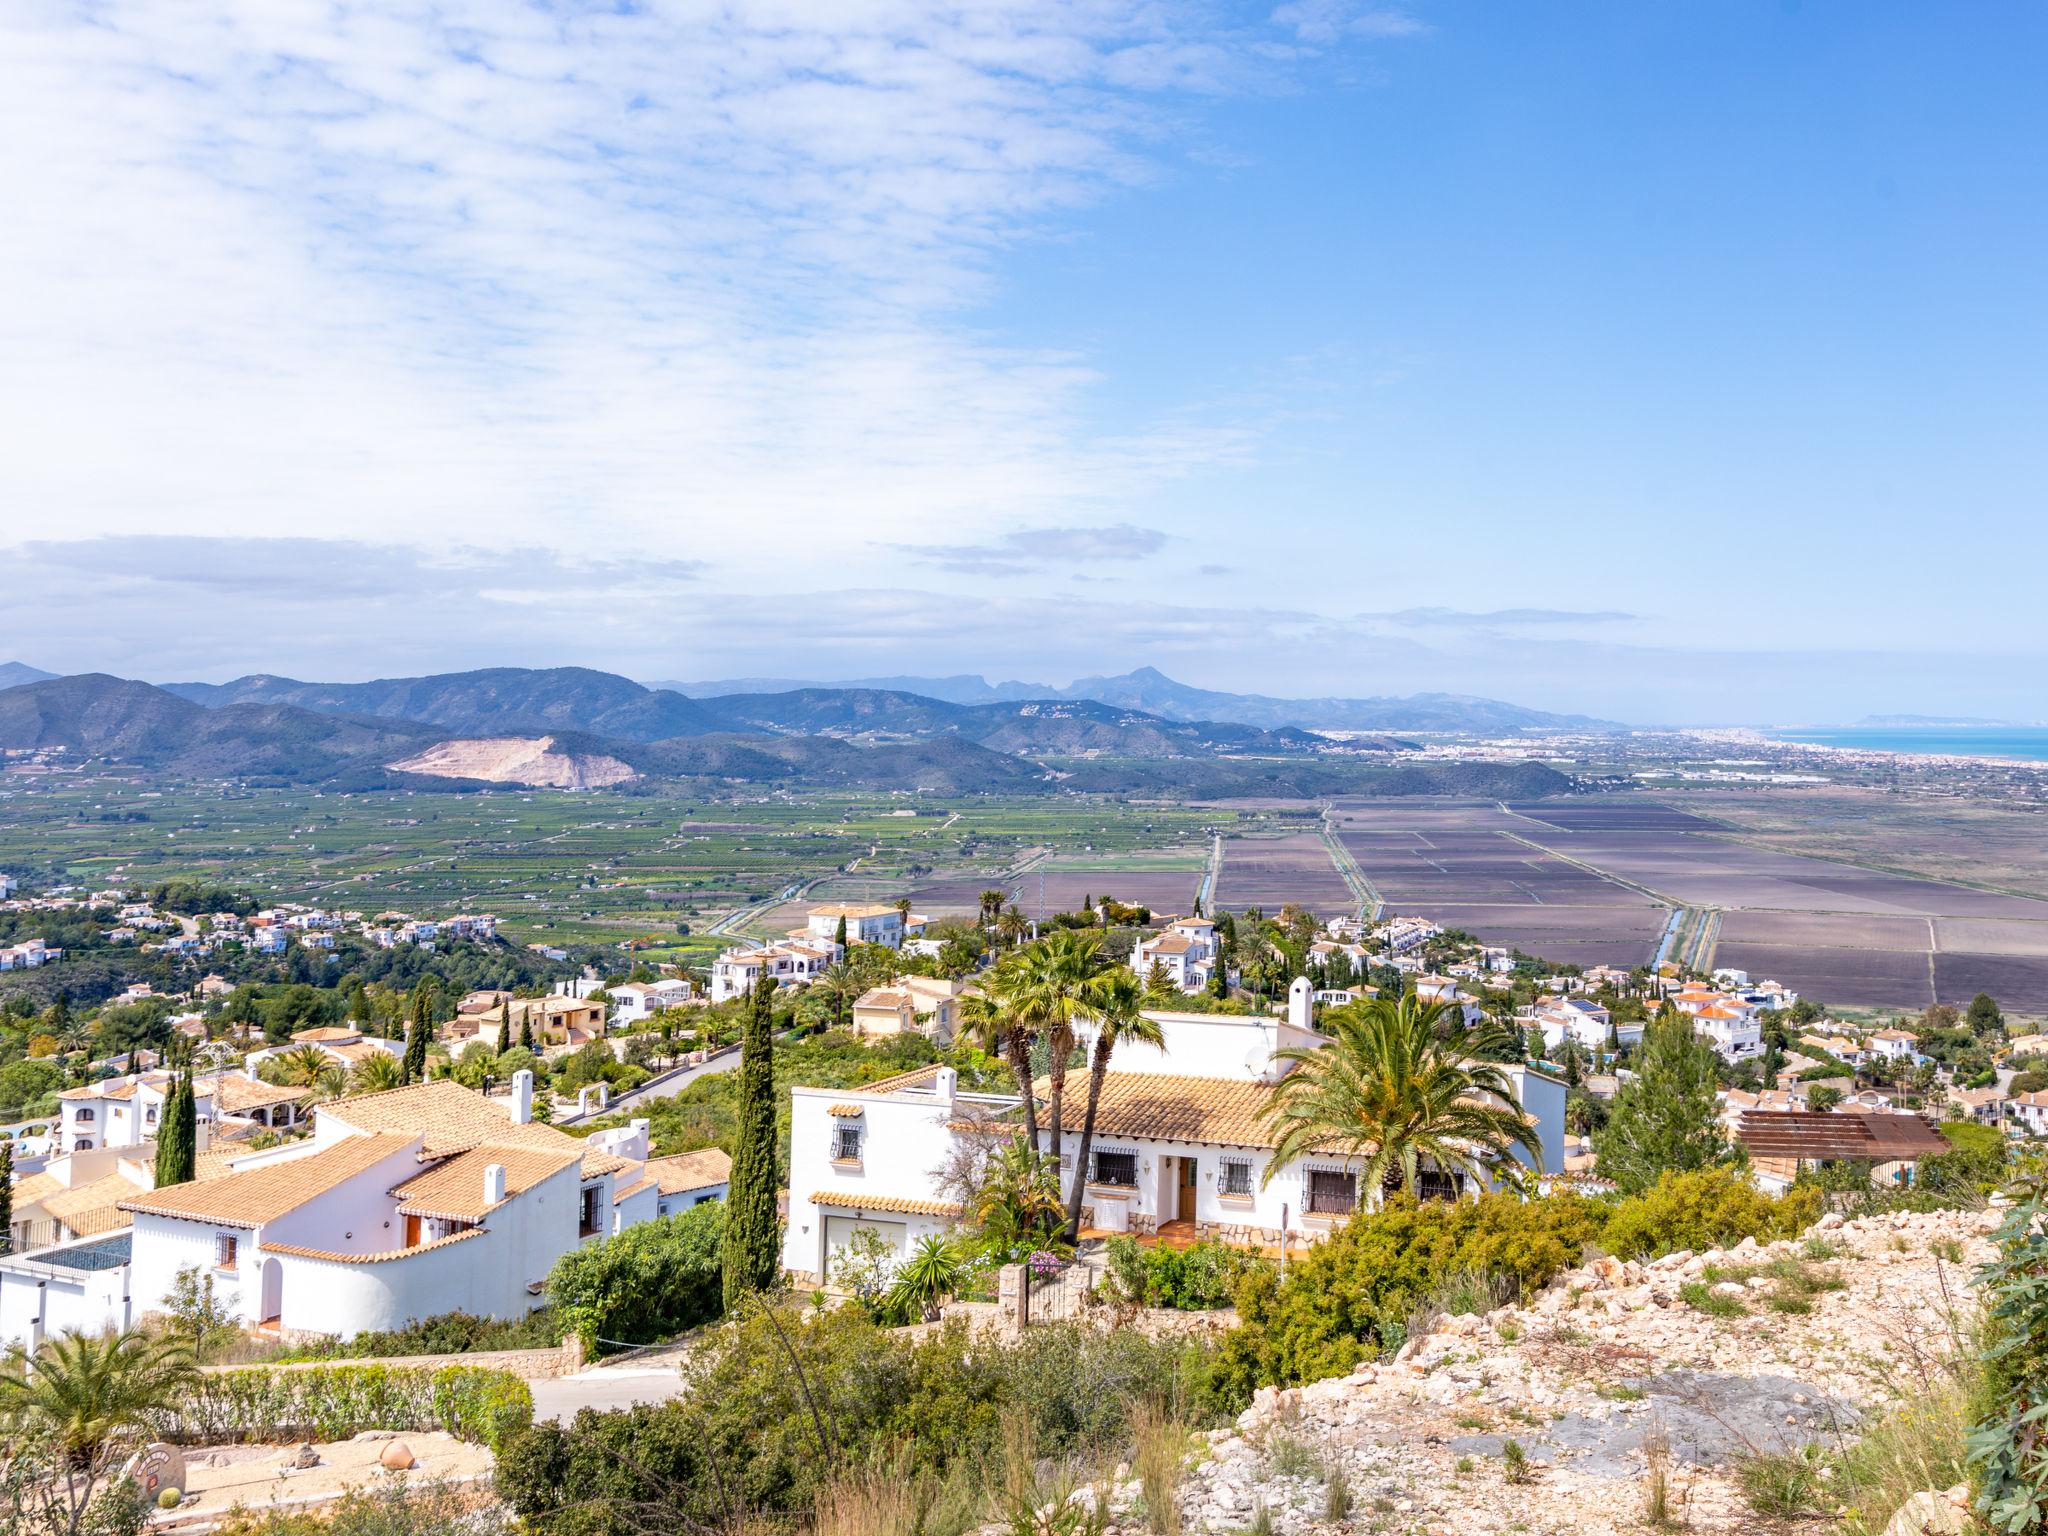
{"x": 177, "y": 1137}
{"x": 752, "y": 1252}
{"x": 416, "y": 1038}
{"x": 1667, "y": 1119}
{"x": 6, "y": 1195}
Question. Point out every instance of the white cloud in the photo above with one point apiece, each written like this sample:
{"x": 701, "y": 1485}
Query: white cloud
{"x": 661, "y": 276}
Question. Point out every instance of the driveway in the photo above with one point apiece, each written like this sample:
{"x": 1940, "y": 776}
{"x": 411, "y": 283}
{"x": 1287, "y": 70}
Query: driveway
{"x": 605, "y": 1386}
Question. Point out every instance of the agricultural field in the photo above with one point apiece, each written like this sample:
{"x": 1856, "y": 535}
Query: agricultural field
{"x": 597, "y": 867}
{"x": 1474, "y": 867}
{"x": 1269, "y": 872}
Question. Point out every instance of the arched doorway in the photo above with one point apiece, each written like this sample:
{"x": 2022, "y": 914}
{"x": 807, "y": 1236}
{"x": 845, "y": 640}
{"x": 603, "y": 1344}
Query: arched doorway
{"x": 272, "y": 1292}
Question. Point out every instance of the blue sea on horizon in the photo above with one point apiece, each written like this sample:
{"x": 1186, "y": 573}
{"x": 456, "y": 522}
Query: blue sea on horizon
{"x": 2029, "y": 741}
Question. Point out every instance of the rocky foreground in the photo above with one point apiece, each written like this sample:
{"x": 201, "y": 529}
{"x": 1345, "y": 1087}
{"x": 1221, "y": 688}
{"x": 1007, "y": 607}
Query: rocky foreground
{"x": 1688, "y": 1364}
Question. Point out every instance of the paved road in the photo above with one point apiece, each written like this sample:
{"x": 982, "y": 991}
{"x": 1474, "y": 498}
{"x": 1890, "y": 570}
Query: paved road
{"x": 616, "y": 1386}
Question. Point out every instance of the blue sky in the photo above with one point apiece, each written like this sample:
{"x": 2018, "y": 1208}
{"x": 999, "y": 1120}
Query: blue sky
{"x": 1282, "y": 348}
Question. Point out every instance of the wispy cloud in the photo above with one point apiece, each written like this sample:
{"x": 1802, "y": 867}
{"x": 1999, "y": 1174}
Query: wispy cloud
{"x": 1030, "y": 549}
{"x": 1326, "y": 21}
{"x": 551, "y": 273}
{"x": 1498, "y": 618}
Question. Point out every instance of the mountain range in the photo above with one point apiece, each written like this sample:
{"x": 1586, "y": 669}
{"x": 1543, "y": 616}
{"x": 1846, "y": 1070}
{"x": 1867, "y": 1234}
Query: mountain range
{"x": 1154, "y": 692}
{"x": 577, "y": 728}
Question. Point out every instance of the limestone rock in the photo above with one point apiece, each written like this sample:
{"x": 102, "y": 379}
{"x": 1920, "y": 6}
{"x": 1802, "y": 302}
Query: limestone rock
{"x": 1932, "y": 1514}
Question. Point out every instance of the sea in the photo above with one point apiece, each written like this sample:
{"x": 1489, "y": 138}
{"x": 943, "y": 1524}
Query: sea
{"x": 2022, "y": 741}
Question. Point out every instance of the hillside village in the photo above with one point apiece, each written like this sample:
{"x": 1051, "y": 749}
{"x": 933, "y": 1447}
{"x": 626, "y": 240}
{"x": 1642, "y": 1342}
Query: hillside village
{"x": 400, "y": 1157}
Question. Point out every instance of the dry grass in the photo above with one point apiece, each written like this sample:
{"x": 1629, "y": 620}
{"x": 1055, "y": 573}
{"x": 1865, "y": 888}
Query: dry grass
{"x": 1160, "y": 1458}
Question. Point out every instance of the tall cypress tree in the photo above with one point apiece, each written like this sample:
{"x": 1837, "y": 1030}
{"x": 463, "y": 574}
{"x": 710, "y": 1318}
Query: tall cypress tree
{"x": 839, "y": 934}
{"x": 752, "y": 1257}
{"x": 505, "y": 1029}
{"x": 6, "y": 1195}
{"x": 416, "y": 1038}
{"x": 177, "y": 1137}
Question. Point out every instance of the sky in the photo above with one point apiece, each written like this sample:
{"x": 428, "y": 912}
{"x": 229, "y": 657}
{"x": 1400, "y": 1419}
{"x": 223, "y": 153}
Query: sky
{"x": 1675, "y": 363}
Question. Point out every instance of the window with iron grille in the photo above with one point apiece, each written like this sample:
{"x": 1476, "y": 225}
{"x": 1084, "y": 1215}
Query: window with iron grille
{"x": 1331, "y": 1192}
{"x": 846, "y": 1144}
{"x": 1235, "y": 1179}
{"x": 1118, "y": 1168}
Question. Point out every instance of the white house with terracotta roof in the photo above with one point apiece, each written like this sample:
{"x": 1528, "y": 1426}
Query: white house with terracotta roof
{"x": 1181, "y": 1142}
{"x": 1895, "y": 1044}
{"x": 790, "y": 964}
{"x": 402, "y": 1205}
{"x": 1186, "y": 948}
{"x": 124, "y": 1111}
{"x": 925, "y": 1005}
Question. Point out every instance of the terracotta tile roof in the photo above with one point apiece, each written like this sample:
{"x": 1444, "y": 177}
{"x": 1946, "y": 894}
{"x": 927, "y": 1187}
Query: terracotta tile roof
{"x": 894, "y": 1204}
{"x": 326, "y": 1035}
{"x": 454, "y": 1189}
{"x": 919, "y": 1077}
{"x": 1161, "y": 1107}
{"x": 1860, "y": 1138}
{"x": 685, "y": 1171}
{"x": 847, "y": 1111}
{"x": 1168, "y": 944}
{"x": 632, "y": 1189}
{"x": 233, "y": 1093}
{"x": 453, "y": 1119}
{"x": 90, "y": 1209}
{"x": 882, "y": 997}
{"x": 37, "y": 1186}
{"x": 298, "y": 1252}
{"x": 252, "y": 1196}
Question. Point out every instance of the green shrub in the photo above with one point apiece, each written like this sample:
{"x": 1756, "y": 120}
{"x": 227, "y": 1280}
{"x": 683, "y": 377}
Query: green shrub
{"x": 2006, "y": 1446}
{"x": 785, "y": 1398}
{"x": 1199, "y": 1278}
{"x": 645, "y": 1284}
{"x": 1350, "y": 1296}
{"x": 1697, "y": 1294}
{"x": 447, "y": 1333}
{"x": 333, "y": 1402}
{"x": 1707, "y": 1208}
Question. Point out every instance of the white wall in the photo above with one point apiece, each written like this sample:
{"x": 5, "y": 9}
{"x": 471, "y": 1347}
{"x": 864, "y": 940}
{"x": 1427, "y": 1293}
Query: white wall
{"x": 904, "y": 1144}
{"x": 38, "y": 1299}
{"x": 1236, "y": 1046}
{"x": 358, "y": 1215}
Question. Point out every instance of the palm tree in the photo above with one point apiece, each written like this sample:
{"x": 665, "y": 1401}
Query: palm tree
{"x": 930, "y": 1277}
{"x": 307, "y": 1066}
{"x": 1111, "y": 1000}
{"x": 995, "y": 1021}
{"x": 1052, "y": 975}
{"x": 1017, "y": 1206}
{"x": 376, "y": 1073}
{"x": 991, "y": 906}
{"x": 1391, "y": 1089}
{"x": 1010, "y": 925}
{"x": 838, "y": 984}
{"x": 86, "y": 1399}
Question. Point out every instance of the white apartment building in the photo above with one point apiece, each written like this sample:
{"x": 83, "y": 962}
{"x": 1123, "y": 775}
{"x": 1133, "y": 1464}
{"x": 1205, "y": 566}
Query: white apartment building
{"x": 865, "y": 924}
{"x": 791, "y": 964}
{"x": 1180, "y": 1142}
{"x": 1580, "y": 1020}
{"x": 1188, "y": 949}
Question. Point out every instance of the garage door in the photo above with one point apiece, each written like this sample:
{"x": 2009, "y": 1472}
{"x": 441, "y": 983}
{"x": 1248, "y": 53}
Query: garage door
{"x": 839, "y": 1232}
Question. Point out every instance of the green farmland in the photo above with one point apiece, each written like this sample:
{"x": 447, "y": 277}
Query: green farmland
{"x": 574, "y": 868}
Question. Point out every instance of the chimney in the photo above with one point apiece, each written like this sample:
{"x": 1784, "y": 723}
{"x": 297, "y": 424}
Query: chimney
{"x": 494, "y": 1183}
{"x": 522, "y": 1097}
{"x": 946, "y": 1083}
{"x": 1301, "y": 1003}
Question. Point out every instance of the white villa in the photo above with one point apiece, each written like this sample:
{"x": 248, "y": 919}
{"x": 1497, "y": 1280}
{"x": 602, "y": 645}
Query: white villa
{"x": 402, "y": 1205}
{"x": 1580, "y": 1020}
{"x": 1188, "y": 950}
{"x": 124, "y": 1111}
{"x": 1180, "y": 1143}
{"x": 634, "y": 1001}
{"x": 792, "y": 964}
{"x": 864, "y": 924}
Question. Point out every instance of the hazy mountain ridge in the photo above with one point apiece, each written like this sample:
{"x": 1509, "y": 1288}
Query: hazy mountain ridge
{"x": 1152, "y": 691}
{"x": 485, "y": 732}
